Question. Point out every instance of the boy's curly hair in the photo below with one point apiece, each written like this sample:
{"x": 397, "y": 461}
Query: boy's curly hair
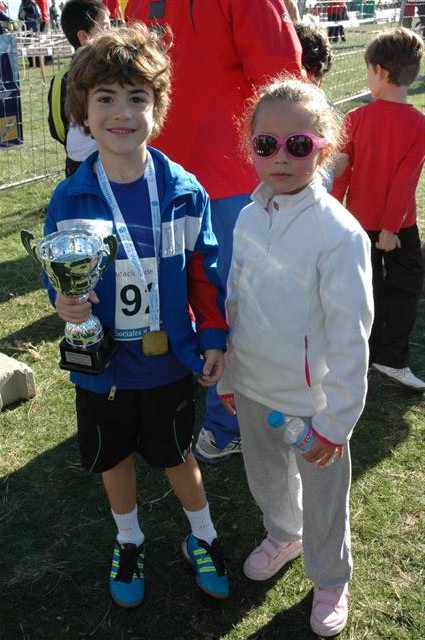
{"x": 125, "y": 56}
{"x": 400, "y": 52}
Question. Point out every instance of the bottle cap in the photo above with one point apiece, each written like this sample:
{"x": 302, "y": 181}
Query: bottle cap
{"x": 275, "y": 419}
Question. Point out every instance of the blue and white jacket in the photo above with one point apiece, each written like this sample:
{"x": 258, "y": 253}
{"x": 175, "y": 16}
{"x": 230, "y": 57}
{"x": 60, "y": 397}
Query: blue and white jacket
{"x": 190, "y": 288}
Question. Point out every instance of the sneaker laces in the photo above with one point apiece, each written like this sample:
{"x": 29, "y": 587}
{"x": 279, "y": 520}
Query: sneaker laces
{"x": 129, "y": 554}
{"x": 216, "y": 551}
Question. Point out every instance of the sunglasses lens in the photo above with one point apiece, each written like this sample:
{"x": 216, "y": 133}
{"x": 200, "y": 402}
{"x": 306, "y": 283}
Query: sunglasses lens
{"x": 264, "y": 145}
{"x": 299, "y": 146}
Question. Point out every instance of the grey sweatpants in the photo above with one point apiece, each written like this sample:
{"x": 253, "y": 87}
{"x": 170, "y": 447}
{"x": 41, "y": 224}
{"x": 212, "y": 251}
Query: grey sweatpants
{"x": 297, "y": 498}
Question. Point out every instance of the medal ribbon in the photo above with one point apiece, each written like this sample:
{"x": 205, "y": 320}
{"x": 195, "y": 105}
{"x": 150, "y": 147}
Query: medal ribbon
{"x": 127, "y": 242}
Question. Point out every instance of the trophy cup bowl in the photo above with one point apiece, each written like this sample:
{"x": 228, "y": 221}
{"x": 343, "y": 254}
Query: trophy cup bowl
{"x": 73, "y": 261}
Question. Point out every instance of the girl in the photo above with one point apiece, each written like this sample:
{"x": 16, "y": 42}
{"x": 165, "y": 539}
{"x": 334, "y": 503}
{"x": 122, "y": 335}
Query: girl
{"x": 300, "y": 312}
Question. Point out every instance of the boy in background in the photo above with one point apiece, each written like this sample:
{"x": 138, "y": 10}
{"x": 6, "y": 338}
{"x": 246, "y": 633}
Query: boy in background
{"x": 385, "y": 143}
{"x": 80, "y": 20}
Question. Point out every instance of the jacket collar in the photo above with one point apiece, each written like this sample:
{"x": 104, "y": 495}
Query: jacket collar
{"x": 263, "y": 195}
{"x": 178, "y": 181}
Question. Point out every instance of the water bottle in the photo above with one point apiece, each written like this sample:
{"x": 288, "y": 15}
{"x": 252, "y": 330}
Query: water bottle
{"x": 297, "y": 433}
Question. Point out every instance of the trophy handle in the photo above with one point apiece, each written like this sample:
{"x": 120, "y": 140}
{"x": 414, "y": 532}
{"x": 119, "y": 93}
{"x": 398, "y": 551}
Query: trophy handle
{"x": 27, "y": 240}
{"x": 110, "y": 252}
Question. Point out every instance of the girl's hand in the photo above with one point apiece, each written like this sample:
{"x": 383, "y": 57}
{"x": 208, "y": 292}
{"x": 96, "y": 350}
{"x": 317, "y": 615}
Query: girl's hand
{"x": 70, "y": 310}
{"x": 228, "y": 402}
{"x": 388, "y": 241}
{"x": 320, "y": 453}
{"x": 213, "y": 368}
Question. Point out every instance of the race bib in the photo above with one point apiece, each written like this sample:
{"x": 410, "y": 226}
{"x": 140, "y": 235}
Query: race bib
{"x": 132, "y": 299}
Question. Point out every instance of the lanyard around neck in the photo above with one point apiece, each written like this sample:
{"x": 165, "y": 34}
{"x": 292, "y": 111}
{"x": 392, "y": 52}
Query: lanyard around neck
{"x": 126, "y": 240}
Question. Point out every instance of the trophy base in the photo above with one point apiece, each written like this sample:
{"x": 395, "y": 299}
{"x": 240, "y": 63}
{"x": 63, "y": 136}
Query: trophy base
{"x": 93, "y": 361}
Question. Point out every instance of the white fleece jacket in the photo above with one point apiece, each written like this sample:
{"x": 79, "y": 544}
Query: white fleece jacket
{"x": 300, "y": 309}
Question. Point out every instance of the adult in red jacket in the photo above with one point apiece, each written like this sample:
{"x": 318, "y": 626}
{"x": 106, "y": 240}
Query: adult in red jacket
{"x": 222, "y": 49}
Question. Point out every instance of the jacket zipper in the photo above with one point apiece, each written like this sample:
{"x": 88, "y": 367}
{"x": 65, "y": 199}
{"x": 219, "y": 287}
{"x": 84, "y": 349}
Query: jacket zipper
{"x": 306, "y": 368}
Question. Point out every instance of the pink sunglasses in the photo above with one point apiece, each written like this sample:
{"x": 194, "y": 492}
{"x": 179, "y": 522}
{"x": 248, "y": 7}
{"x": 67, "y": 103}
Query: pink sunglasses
{"x": 298, "y": 145}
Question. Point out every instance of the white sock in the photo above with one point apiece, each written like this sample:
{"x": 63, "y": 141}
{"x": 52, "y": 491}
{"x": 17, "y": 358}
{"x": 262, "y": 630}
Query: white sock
{"x": 129, "y": 531}
{"x": 201, "y": 524}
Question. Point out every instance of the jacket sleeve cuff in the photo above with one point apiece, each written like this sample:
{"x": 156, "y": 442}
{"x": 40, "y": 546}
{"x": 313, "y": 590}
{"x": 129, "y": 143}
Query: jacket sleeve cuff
{"x": 325, "y": 440}
{"x": 212, "y": 339}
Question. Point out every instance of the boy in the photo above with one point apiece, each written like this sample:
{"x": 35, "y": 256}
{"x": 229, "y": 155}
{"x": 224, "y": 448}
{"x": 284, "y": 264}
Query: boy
{"x": 118, "y": 88}
{"x": 385, "y": 145}
{"x": 80, "y": 20}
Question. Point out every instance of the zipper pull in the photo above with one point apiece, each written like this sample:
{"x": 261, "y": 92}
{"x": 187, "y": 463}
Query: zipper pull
{"x": 112, "y": 392}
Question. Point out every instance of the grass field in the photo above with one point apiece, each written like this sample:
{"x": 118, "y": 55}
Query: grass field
{"x": 56, "y": 531}
{"x": 55, "y": 527}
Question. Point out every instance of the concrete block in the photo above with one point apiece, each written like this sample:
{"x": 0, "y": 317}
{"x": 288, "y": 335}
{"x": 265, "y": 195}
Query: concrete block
{"x": 16, "y": 381}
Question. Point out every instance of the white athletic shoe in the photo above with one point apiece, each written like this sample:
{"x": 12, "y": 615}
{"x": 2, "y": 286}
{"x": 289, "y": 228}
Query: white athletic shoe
{"x": 206, "y": 449}
{"x": 403, "y": 376}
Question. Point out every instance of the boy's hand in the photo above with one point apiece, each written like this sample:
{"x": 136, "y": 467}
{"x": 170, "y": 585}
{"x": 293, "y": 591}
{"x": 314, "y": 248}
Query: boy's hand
{"x": 70, "y": 310}
{"x": 340, "y": 164}
{"x": 320, "y": 453}
{"x": 213, "y": 368}
{"x": 228, "y": 402}
{"x": 388, "y": 241}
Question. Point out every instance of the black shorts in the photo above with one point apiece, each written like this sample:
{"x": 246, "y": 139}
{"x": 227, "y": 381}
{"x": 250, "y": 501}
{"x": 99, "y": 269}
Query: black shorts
{"x": 158, "y": 423}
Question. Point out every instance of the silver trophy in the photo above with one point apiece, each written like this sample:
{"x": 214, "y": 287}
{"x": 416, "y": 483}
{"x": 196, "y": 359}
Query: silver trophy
{"x": 73, "y": 261}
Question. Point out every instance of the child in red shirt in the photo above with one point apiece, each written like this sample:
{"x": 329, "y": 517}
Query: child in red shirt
{"x": 385, "y": 143}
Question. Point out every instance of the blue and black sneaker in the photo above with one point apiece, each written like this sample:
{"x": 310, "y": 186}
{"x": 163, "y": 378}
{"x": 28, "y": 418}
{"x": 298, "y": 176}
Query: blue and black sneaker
{"x": 127, "y": 577}
{"x": 208, "y": 561}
